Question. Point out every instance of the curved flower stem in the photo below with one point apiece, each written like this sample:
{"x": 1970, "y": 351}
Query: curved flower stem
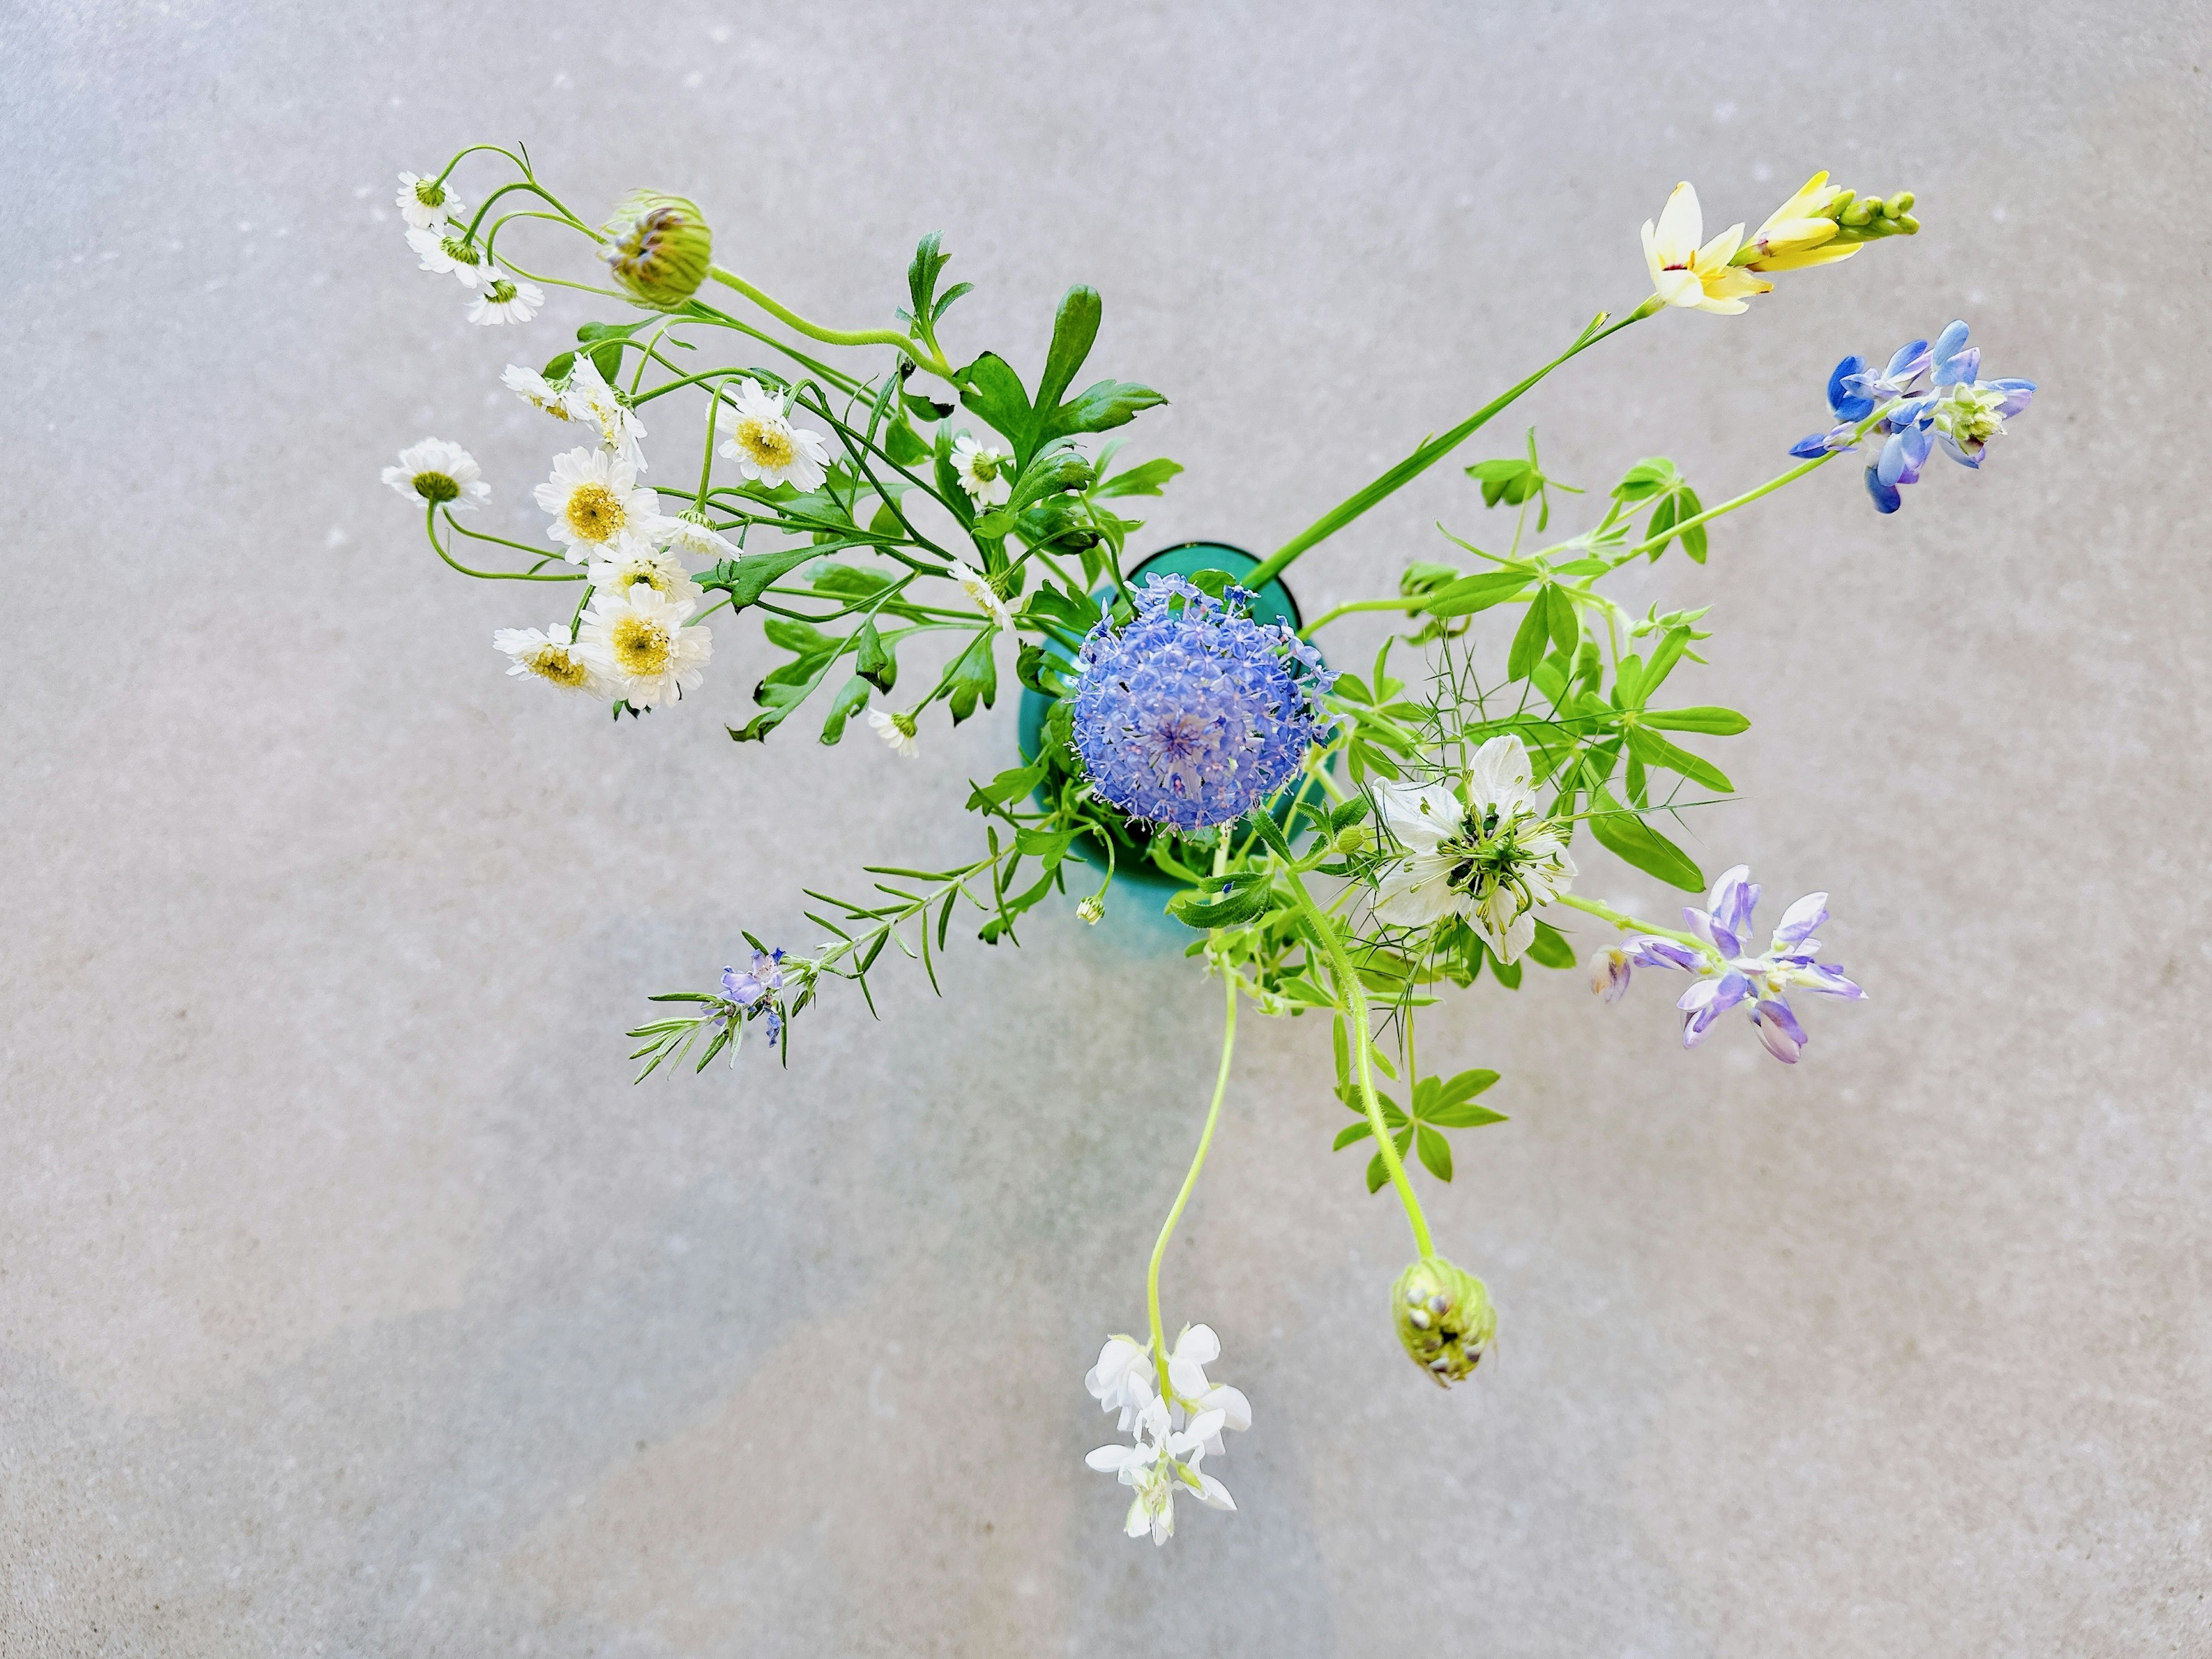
{"x": 430, "y": 527}
{"x": 1423, "y": 457}
{"x": 1412, "y": 602}
{"x": 1744, "y": 500}
{"x": 932, "y": 361}
{"x": 1189, "y": 1181}
{"x": 1347, "y": 979}
{"x": 1627, "y": 924}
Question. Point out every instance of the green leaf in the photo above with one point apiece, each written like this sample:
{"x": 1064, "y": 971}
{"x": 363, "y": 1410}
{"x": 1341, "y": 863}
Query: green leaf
{"x": 746, "y": 578}
{"x": 1655, "y": 751}
{"x": 1664, "y": 656}
{"x": 1074, "y": 328}
{"x": 1376, "y": 1174}
{"x": 922, "y": 276}
{"x": 1646, "y": 479}
{"x": 1100, "y": 408}
{"x": 1634, "y": 842}
{"x": 1350, "y": 1133}
{"x": 1531, "y": 638}
{"x": 788, "y": 634}
{"x": 1194, "y": 909}
{"x": 1147, "y": 479}
{"x": 1719, "y": 722}
{"x": 851, "y": 698}
{"x": 1435, "y": 1153}
{"x": 1472, "y": 593}
{"x": 1509, "y": 974}
{"x": 975, "y": 675}
{"x": 1465, "y": 1115}
{"x": 945, "y": 300}
{"x": 1661, "y": 522}
{"x": 1693, "y": 538}
{"x": 1460, "y": 1089}
{"x": 993, "y": 391}
{"x": 1560, "y": 617}
{"x": 1550, "y": 948}
{"x": 872, "y": 660}
{"x": 1512, "y": 481}
{"x": 1264, "y": 825}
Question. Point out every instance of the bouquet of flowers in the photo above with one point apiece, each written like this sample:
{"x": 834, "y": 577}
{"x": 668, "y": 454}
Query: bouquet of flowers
{"x": 904, "y": 521}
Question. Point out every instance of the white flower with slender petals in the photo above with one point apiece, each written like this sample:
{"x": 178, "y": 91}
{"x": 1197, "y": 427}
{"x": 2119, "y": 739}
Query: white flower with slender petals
{"x": 680, "y": 535}
{"x": 768, "y": 448}
{"x": 506, "y": 299}
{"x": 452, "y": 254}
{"x": 983, "y": 596}
{"x": 984, "y": 472}
{"x": 1162, "y": 1459}
{"x": 1123, "y": 1380}
{"x": 537, "y": 392}
{"x": 635, "y": 562}
{"x": 1489, "y": 858}
{"x": 550, "y": 653}
{"x": 636, "y": 642}
{"x": 440, "y": 473}
{"x": 424, "y": 204}
{"x": 595, "y": 503}
{"x": 588, "y": 397}
{"x": 897, "y": 730}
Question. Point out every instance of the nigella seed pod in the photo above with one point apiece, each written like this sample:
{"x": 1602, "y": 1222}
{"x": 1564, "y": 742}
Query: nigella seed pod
{"x": 659, "y": 248}
{"x": 1444, "y": 1319}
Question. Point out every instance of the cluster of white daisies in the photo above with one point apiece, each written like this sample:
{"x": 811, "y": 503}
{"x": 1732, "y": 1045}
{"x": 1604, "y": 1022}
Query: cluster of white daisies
{"x": 438, "y": 233}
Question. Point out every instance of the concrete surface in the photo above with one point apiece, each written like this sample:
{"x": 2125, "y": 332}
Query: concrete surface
{"x": 352, "y": 1302}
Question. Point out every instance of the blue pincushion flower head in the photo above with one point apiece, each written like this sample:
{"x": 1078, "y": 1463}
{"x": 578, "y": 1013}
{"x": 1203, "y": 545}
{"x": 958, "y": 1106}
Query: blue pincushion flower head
{"x": 1192, "y": 714}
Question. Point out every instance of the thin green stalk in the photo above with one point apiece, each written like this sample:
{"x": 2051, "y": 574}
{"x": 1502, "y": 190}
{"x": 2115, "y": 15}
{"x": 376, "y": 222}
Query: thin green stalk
{"x": 1421, "y": 459}
{"x": 1744, "y": 500}
{"x": 1413, "y": 602}
{"x": 931, "y": 360}
{"x": 1347, "y": 979}
{"x": 430, "y": 527}
{"x": 1627, "y": 924}
{"x": 1189, "y": 1181}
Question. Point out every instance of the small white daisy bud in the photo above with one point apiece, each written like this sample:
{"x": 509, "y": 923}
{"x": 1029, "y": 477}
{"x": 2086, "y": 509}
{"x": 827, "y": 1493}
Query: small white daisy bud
{"x": 659, "y": 248}
{"x": 1090, "y": 909}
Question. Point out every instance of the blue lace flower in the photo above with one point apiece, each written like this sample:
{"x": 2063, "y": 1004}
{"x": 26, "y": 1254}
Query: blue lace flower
{"x": 1194, "y": 713}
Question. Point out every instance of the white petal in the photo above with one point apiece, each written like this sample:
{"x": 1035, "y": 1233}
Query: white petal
{"x": 1681, "y": 226}
{"x": 1198, "y": 1343}
{"x": 1108, "y": 1460}
{"x": 1416, "y": 893}
{"x": 1498, "y": 775}
{"x": 1419, "y": 815}
{"x": 1204, "y": 1427}
{"x": 1137, "y": 1524}
{"x": 1235, "y": 1410}
{"x": 1213, "y": 1494}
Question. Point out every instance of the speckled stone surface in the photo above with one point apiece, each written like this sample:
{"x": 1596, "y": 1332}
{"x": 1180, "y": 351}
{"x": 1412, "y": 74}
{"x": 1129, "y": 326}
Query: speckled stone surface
{"x": 352, "y": 1302}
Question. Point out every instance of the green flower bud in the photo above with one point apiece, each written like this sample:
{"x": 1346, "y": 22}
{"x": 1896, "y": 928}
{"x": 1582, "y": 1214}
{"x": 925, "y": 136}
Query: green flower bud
{"x": 1444, "y": 1319}
{"x": 1090, "y": 909}
{"x": 1353, "y": 838}
{"x": 659, "y": 248}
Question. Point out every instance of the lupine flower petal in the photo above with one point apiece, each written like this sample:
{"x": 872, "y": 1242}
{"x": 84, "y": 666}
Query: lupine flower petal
{"x": 1799, "y": 920}
{"x": 1885, "y": 498}
{"x": 1843, "y": 399}
{"x": 1778, "y": 1029}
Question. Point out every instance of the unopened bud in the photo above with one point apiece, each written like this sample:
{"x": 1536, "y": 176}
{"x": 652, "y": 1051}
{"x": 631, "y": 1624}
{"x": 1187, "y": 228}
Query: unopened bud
{"x": 659, "y": 248}
{"x": 1444, "y": 1319}
{"x": 1353, "y": 838}
{"x": 1090, "y": 908}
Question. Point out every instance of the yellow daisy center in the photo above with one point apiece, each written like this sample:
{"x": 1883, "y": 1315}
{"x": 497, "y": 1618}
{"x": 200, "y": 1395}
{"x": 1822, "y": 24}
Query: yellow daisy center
{"x": 553, "y": 662}
{"x": 766, "y": 442}
{"x": 642, "y": 647}
{"x": 632, "y": 575}
{"x": 595, "y": 513}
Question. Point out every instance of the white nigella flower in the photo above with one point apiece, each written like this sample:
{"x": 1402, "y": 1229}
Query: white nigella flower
{"x": 588, "y": 398}
{"x": 450, "y": 254}
{"x": 1123, "y": 1380}
{"x": 424, "y": 204}
{"x": 897, "y": 730}
{"x": 693, "y": 540}
{"x": 983, "y": 596}
{"x": 635, "y": 640}
{"x": 634, "y": 561}
{"x": 595, "y": 503}
{"x": 1491, "y": 857}
{"x": 766, "y": 447}
{"x": 440, "y": 473}
{"x": 550, "y": 653}
{"x": 506, "y": 299}
{"x": 1162, "y": 1459}
{"x": 984, "y": 472}
{"x": 537, "y": 390}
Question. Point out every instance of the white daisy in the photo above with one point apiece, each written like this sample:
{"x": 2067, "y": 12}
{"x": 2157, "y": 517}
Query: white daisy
{"x": 1491, "y": 858}
{"x": 897, "y": 730}
{"x": 636, "y": 640}
{"x": 452, "y": 254}
{"x": 440, "y": 473}
{"x": 537, "y": 390}
{"x": 595, "y": 503}
{"x": 766, "y": 445}
{"x": 635, "y": 562}
{"x": 589, "y": 398}
{"x": 983, "y": 596}
{"x": 984, "y": 472}
{"x": 507, "y": 298}
{"x": 424, "y": 204}
{"x": 681, "y": 535}
{"x": 550, "y": 653}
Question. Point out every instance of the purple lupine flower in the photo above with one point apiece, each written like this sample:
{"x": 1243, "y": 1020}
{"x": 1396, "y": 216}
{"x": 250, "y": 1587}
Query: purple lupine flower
{"x": 1194, "y": 713}
{"x": 1728, "y": 975}
{"x": 1927, "y": 396}
{"x": 757, "y": 990}
{"x": 1611, "y": 967}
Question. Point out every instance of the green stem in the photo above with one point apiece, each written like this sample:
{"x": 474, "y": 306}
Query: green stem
{"x": 1189, "y": 1181}
{"x": 430, "y": 527}
{"x": 1627, "y": 924}
{"x": 1348, "y": 984}
{"x": 1413, "y": 602}
{"x": 929, "y": 360}
{"x": 1744, "y": 500}
{"x": 1420, "y": 460}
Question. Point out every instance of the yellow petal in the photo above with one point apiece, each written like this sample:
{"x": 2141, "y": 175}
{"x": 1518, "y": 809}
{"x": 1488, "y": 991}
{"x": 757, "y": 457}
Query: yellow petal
{"x": 1803, "y": 259}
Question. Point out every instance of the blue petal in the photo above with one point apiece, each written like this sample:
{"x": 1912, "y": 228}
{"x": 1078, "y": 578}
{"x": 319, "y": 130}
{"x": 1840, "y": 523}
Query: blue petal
{"x": 1949, "y": 343}
{"x": 1885, "y": 498}
{"x": 1916, "y": 445}
{"x": 1960, "y": 454}
{"x": 2017, "y": 393}
{"x": 1839, "y": 400}
{"x": 1953, "y": 371}
{"x": 1909, "y": 361}
{"x": 1892, "y": 461}
{"x": 1806, "y": 449}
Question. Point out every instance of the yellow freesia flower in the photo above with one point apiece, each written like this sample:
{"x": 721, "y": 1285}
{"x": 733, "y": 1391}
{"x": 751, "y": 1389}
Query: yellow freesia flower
{"x": 1684, "y": 273}
{"x": 1800, "y": 233}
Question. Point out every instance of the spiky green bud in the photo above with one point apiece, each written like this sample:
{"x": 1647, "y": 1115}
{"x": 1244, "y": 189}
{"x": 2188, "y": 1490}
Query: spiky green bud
{"x": 1444, "y": 1319}
{"x": 659, "y": 248}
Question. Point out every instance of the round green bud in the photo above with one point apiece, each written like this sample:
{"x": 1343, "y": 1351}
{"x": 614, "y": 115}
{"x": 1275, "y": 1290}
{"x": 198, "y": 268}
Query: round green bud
{"x": 1444, "y": 1319}
{"x": 659, "y": 248}
{"x": 1353, "y": 839}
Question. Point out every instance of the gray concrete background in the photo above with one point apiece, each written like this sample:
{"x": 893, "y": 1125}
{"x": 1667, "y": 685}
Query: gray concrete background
{"x": 352, "y": 1302}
